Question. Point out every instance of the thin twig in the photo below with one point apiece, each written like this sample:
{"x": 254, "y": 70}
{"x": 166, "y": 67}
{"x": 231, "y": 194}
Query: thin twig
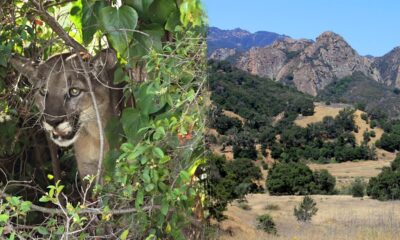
{"x": 49, "y": 5}
{"x": 57, "y": 28}
{"x": 56, "y": 211}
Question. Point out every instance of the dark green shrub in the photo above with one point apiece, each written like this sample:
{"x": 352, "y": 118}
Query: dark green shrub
{"x": 361, "y": 106}
{"x": 373, "y": 123}
{"x": 324, "y": 182}
{"x": 385, "y": 186}
{"x": 265, "y": 165}
{"x": 244, "y": 146}
{"x": 298, "y": 179}
{"x": 273, "y": 207}
{"x": 229, "y": 180}
{"x": 372, "y": 133}
{"x": 305, "y": 210}
{"x": 389, "y": 142}
{"x": 358, "y": 188}
{"x": 290, "y": 179}
{"x": 364, "y": 117}
{"x": 266, "y": 223}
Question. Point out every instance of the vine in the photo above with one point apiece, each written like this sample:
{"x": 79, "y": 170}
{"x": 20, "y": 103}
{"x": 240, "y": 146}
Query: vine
{"x": 149, "y": 188}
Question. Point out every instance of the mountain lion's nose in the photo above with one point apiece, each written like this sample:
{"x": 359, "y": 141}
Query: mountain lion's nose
{"x": 54, "y": 122}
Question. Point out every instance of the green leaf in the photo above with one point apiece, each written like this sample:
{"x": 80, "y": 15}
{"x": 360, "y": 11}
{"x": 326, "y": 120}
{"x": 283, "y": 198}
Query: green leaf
{"x": 119, "y": 23}
{"x": 14, "y": 201}
{"x": 5, "y": 52}
{"x": 113, "y": 131}
{"x": 148, "y": 38}
{"x": 146, "y": 176}
{"x": 124, "y": 234}
{"x": 160, "y": 132}
{"x": 161, "y": 9}
{"x": 44, "y": 199}
{"x": 3, "y": 217}
{"x": 184, "y": 176}
{"x": 25, "y": 206}
{"x": 133, "y": 120}
{"x": 149, "y": 187}
{"x": 90, "y": 19}
{"x": 158, "y": 152}
{"x": 173, "y": 21}
{"x": 164, "y": 206}
{"x": 127, "y": 147}
{"x": 139, "y": 198}
{"x": 42, "y": 230}
{"x": 141, "y": 6}
{"x": 120, "y": 76}
{"x": 139, "y": 150}
{"x": 165, "y": 159}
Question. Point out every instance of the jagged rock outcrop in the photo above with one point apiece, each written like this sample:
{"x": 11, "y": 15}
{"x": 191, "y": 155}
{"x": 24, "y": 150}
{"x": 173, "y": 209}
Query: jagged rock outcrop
{"x": 223, "y": 54}
{"x": 389, "y": 68}
{"x": 308, "y": 65}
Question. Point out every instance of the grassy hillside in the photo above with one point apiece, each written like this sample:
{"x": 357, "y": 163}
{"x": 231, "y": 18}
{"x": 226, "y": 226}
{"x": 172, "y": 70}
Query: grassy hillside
{"x": 362, "y": 90}
{"x": 254, "y": 98}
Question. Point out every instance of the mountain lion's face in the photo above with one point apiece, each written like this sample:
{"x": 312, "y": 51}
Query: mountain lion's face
{"x": 62, "y": 94}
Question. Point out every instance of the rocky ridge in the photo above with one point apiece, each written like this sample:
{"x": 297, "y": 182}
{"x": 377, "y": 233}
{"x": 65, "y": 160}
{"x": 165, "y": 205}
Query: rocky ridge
{"x": 312, "y": 65}
{"x": 309, "y": 66}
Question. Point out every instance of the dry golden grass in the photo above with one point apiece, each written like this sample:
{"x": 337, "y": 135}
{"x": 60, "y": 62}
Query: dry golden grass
{"x": 338, "y": 218}
{"x": 364, "y": 126}
{"x": 233, "y": 115}
{"x": 320, "y": 111}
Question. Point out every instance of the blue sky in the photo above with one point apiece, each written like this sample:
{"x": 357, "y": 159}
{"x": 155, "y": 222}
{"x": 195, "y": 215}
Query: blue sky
{"x": 370, "y": 26}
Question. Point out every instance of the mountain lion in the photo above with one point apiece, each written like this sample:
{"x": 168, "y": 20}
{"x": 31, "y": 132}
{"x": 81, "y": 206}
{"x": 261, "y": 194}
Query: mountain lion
{"x": 63, "y": 97}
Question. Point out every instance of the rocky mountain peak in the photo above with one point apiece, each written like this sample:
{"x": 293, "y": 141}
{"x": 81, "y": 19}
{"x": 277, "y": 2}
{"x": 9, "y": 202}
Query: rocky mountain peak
{"x": 329, "y": 36}
{"x": 389, "y": 67}
{"x": 308, "y": 65}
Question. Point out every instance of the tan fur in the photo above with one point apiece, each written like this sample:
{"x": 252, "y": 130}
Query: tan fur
{"x": 63, "y": 111}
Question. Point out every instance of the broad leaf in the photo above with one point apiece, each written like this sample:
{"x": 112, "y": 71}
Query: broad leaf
{"x": 141, "y": 6}
{"x": 133, "y": 120}
{"x": 90, "y": 11}
{"x": 160, "y": 10}
{"x": 120, "y": 24}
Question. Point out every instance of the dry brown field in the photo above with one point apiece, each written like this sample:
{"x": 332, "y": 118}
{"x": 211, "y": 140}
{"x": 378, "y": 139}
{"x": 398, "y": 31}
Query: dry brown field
{"x": 338, "y": 218}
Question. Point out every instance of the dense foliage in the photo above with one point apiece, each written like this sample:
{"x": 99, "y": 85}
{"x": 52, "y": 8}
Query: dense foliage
{"x": 390, "y": 140}
{"x": 358, "y": 188}
{"x": 256, "y": 99}
{"x": 359, "y": 89}
{"x": 326, "y": 141}
{"x": 149, "y": 190}
{"x": 386, "y": 186}
{"x": 298, "y": 179}
{"x": 229, "y": 180}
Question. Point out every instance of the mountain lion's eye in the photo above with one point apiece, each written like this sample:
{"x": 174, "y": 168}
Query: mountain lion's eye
{"x": 43, "y": 91}
{"x": 73, "y": 92}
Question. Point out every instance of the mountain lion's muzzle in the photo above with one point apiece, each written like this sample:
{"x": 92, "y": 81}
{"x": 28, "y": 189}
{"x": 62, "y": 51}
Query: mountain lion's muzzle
{"x": 62, "y": 130}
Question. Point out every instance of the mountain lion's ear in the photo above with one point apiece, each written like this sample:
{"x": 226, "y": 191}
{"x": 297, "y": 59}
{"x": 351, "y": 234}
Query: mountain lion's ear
{"x": 25, "y": 66}
{"x": 106, "y": 59}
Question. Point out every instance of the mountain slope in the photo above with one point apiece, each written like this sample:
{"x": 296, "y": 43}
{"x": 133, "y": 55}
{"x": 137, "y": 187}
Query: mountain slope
{"x": 309, "y": 66}
{"x": 359, "y": 88}
{"x": 389, "y": 67}
{"x": 238, "y": 39}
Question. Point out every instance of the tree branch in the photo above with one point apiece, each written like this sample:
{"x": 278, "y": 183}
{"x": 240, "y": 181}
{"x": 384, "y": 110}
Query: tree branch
{"x": 50, "y": 4}
{"x": 57, "y": 28}
{"x": 56, "y": 211}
